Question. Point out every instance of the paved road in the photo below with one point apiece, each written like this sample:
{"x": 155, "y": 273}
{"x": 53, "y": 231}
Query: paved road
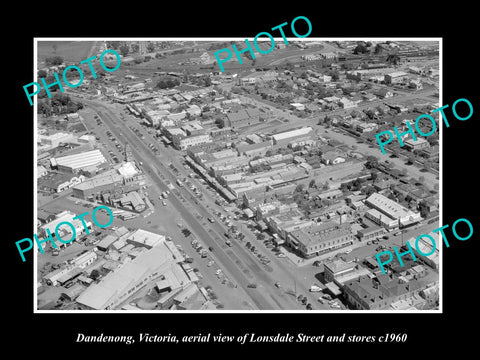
{"x": 154, "y": 168}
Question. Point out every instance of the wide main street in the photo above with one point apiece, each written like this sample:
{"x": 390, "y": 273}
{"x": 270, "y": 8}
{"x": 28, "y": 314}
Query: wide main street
{"x": 236, "y": 260}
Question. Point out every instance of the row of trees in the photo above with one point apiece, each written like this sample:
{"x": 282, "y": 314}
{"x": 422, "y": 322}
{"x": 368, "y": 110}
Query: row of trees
{"x": 54, "y": 60}
{"x": 167, "y": 83}
{"x": 57, "y": 105}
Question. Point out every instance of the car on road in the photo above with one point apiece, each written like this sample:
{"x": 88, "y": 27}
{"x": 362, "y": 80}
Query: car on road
{"x": 348, "y": 251}
{"x": 252, "y": 285}
{"x": 164, "y": 203}
{"x": 210, "y": 263}
{"x": 281, "y": 255}
{"x": 212, "y": 220}
{"x": 381, "y": 247}
{"x": 369, "y": 243}
{"x": 278, "y": 285}
{"x": 210, "y": 248}
{"x": 218, "y": 272}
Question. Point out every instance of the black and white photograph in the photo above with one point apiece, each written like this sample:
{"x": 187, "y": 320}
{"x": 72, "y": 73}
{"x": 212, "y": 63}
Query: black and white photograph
{"x": 289, "y": 181}
{"x": 215, "y": 180}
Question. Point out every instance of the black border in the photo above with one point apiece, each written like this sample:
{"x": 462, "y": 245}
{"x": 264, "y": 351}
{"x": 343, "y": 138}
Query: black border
{"x": 456, "y": 25}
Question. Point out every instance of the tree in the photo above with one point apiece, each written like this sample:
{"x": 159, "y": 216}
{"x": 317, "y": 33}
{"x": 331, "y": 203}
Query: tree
{"x": 299, "y": 187}
{"x": 372, "y": 162}
{"x": 113, "y": 44}
{"x": 374, "y": 176}
{"x": 334, "y": 74}
{"x": 312, "y": 183}
{"x": 41, "y": 73}
{"x": 411, "y": 158}
{"x": 124, "y": 50}
{"x": 326, "y": 186}
{"x": 95, "y": 274}
{"x": 135, "y": 48}
{"x": 54, "y": 60}
{"x": 151, "y": 47}
{"x": 421, "y": 179}
{"x": 360, "y": 49}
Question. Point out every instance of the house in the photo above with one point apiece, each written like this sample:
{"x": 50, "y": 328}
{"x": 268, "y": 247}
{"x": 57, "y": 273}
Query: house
{"x": 298, "y": 106}
{"x": 415, "y": 84}
{"x": 369, "y": 97}
{"x": 332, "y": 158}
{"x": 419, "y": 144}
{"x": 346, "y": 103}
{"x": 383, "y": 93}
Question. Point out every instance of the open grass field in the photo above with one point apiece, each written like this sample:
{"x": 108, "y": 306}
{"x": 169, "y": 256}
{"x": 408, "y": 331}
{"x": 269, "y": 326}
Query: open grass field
{"x": 71, "y": 51}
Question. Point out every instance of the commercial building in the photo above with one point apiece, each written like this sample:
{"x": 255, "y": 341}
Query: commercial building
{"x": 55, "y": 139}
{"x": 144, "y": 238}
{"x": 64, "y": 231}
{"x": 425, "y": 246}
{"x": 392, "y": 210}
{"x": 291, "y": 135}
{"x": 75, "y": 163}
{"x": 183, "y": 143}
{"x": 370, "y": 233}
{"x": 241, "y": 118}
{"x": 395, "y": 77}
{"x": 319, "y": 239}
{"x": 340, "y": 271}
{"x": 85, "y": 259}
{"x": 117, "y": 286}
{"x": 367, "y": 293}
{"x": 57, "y": 182}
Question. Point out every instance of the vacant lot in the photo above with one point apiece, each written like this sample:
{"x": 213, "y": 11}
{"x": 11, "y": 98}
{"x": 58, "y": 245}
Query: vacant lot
{"x": 74, "y": 51}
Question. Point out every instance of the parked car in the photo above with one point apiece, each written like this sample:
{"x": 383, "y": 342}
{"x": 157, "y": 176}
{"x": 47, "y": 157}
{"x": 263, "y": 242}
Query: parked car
{"x": 252, "y": 286}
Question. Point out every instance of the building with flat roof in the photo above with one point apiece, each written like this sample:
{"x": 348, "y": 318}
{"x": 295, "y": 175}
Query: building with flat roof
{"x": 395, "y": 77}
{"x": 370, "y": 233}
{"x": 55, "y": 139}
{"x": 340, "y": 271}
{"x": 367, "y": 293}
{"x": 418, "y": 144}
{"x": 145, "y": 238}
{"x": 319, "y": 239}
{"x": 76, "y": 162}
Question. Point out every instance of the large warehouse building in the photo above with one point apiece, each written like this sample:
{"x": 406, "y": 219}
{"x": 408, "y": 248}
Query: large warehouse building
{"x": 392, "y": 210}
{"x": 77, "y": 162}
